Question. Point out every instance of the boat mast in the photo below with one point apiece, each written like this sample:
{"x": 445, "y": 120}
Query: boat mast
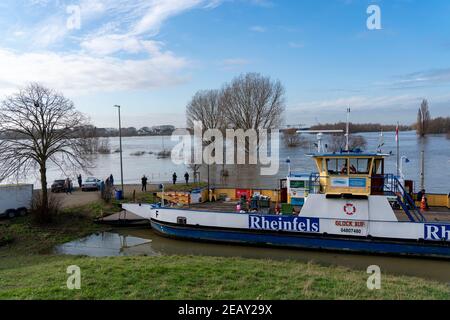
{"x": 347, "y": 132}
{"x": 397, "y": 140}
{"x": 380, "y": 142}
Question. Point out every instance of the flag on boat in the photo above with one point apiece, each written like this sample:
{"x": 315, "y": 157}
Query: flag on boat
{"x": 396, "y": 132}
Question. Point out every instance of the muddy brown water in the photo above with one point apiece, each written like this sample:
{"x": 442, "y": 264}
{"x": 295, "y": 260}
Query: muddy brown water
{"x": 143, "y": 241}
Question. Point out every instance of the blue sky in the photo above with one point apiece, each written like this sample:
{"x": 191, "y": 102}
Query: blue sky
{"x": 151, "y": 56}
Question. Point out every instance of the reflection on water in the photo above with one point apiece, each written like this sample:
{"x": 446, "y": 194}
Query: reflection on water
{"x": 107, "y": 244}
{"x": 134, "y": 242}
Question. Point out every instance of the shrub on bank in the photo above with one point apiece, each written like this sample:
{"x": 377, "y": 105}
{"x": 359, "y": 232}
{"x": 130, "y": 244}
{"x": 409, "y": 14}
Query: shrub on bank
{"x": 37, "y": 206}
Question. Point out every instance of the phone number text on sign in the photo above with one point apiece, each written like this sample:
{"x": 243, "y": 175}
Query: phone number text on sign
{"x": 352, "y": 227}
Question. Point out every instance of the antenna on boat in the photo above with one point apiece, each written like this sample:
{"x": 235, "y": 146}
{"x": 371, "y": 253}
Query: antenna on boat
{"x": 347, "y": 132}
{"x": 380, "y": 141}
{"x": 320, "y": 134}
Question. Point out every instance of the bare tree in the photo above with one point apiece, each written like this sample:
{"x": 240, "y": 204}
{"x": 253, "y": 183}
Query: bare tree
{"x": 195, "y": 170}
{"x": 292, "y": 139}
{"x": 90, "y": 138}
{"x": 338, "y": 143}
{"x": 206, "y": 107}
{"x": 253, "y": 101}
{"x": 40, "y": 127}
{"x": 423, "y": 119}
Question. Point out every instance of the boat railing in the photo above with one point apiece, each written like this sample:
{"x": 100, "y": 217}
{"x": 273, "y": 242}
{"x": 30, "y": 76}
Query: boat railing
{"x": 391, "y": 186}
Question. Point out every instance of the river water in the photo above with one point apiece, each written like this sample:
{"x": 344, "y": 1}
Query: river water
{"x": 139, "y": 242}
{"x": 437, "y": 162}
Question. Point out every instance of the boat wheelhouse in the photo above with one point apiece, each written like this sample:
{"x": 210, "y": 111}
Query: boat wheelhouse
{"x": 350, "y": 173}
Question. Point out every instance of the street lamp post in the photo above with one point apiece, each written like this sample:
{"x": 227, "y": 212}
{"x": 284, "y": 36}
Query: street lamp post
{"x": 121, "y": 154}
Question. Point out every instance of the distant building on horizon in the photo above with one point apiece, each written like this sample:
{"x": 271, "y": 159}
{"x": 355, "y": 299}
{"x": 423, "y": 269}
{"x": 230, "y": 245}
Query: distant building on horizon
{"x": 156, "y": 130}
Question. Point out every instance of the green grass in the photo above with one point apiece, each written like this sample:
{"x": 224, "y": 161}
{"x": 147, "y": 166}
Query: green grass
{"x": 28, "y": 270}
{"x": 182, "y": 187}
{"x": 189, "y": 277}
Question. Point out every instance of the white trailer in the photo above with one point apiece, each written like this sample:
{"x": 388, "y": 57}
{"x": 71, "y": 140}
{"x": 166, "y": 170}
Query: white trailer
{"x": 15, "y": 200}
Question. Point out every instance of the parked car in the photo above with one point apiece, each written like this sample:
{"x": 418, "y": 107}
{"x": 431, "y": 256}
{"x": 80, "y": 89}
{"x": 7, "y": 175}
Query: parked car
{"x": 15, "y": 200}
{"x": 58, "y": 186}
{"x": 91, "y": 184}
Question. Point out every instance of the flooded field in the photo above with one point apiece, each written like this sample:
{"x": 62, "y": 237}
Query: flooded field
{"x": 136, "y": 242}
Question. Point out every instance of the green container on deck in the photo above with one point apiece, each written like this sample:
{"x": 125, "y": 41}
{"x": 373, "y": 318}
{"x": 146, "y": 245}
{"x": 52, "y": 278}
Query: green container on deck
{"x": 286, "y": 208}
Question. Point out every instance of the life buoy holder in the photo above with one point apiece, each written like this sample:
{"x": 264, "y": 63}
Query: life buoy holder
{"x": 349, "y": 209}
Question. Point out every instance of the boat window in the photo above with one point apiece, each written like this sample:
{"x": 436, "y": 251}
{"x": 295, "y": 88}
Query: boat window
{"x": 378, "y": 168}
{"x": 359, "y": 166}
{"x": 337, "y": 166}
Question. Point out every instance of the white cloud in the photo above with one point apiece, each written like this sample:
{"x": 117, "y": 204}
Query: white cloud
{"x": 360, "y": 103}
{"x": 80, "y": 73}
{"x": 258, "y": 29}
{"x": 91, "y": 61}
{"x": 424, "y": 78}
{"x": 109, "y": 44}
{"x": 161, "y": 10}
{"x": 145, "y": 20}
{"x": 48, "y": 32}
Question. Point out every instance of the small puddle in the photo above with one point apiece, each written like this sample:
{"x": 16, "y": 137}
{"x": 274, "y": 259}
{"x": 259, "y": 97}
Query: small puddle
{"x": 144, "y": 242}
{"x": 107, "y": 244}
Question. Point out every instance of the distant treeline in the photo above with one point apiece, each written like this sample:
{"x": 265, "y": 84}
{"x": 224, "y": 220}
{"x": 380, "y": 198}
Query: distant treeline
{"x": 94, "y": 132}
{"x": 439, "y": 125}
{"x": 361, "y": 127}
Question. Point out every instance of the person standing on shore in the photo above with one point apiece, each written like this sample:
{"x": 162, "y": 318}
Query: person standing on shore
{"x": 80, "y": 181}
{"x": 186, "y": 177}
{"x": 144, "y": 183}
{"x": 174, "y": 178}
{"x": 102, "y": 189}
{"x": 111, "y": 180}
{"x": 67, "y": 186}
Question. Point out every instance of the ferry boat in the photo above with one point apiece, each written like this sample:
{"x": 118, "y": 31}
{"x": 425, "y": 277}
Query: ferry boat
{"x": 348, "y": 207}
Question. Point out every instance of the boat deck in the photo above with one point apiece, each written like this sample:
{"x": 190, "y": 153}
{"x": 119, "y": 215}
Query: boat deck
{"x": 124, "y": 218}
{"x": 129, "y": 219}
{"x": 434, "y": 214}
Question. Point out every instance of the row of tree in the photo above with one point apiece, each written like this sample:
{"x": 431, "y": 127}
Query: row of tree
{"x": 427, "y": 125}
{"x": 250, "y": 101}
{"x": 360, "y": 127}
{"x": 93, "y": 131}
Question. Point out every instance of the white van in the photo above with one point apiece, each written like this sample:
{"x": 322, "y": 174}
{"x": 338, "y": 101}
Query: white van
{"x": 15, "y": 200}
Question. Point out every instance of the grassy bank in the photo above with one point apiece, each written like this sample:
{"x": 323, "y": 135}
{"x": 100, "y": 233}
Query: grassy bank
{"x": 199, "y": 278}
{"x": 28, "y": 270}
